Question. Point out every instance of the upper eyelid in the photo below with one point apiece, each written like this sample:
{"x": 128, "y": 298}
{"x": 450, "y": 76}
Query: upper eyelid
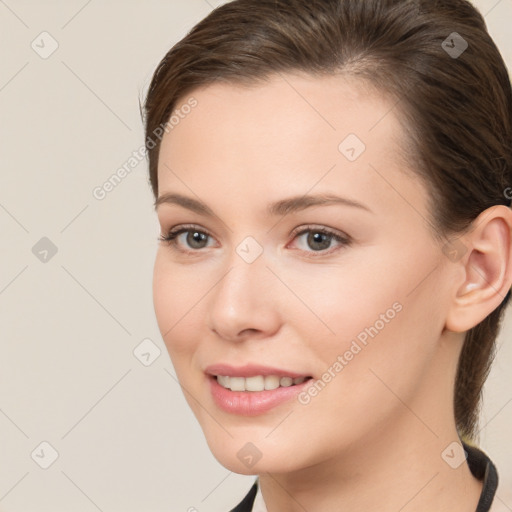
{"x": 296, "y": 231}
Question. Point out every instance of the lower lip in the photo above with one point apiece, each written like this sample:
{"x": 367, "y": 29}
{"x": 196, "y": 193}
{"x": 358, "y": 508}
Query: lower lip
{"x": 252, "y": 403}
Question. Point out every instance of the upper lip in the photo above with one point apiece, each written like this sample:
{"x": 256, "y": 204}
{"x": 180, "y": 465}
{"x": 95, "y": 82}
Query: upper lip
{"x": 250, "y": 370}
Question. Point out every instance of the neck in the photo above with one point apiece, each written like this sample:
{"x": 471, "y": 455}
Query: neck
{"x": 398, "y": 466}
{"x": 399, "y": 469}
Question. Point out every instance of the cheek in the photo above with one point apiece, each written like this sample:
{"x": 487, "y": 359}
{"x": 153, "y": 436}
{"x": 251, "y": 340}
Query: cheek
{"x": 385, "y": 338}
{"x": 379, "y": 293}
{"x": 380, "y": 310}
{"x": 174, "y": 297}
{"x": 354, "y": 301}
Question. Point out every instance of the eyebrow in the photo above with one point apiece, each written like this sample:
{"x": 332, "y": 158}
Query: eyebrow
{"x": 279, "y": 208}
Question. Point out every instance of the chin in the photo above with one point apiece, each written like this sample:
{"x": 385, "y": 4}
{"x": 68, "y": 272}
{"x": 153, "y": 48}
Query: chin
{"x": 232, "y": 463}
{"x": 244, "y": 457}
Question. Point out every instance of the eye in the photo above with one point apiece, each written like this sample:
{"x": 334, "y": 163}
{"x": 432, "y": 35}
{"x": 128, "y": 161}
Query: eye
{"x": 195, "y": 238}
{"x": 319, "y": 239}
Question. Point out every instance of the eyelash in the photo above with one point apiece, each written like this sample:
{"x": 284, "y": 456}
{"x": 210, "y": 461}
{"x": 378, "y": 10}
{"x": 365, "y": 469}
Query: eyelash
{"x": 345, "y": 241}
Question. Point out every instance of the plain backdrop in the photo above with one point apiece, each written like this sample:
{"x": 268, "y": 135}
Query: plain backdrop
{"x": 112, "y": 429}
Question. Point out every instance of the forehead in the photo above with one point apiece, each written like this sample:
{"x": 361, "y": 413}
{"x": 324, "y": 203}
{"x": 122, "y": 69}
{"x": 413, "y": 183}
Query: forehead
{"x": 283, "y": 112}
{"x": 329, "y": 103}
{"x": 292, "y": 132}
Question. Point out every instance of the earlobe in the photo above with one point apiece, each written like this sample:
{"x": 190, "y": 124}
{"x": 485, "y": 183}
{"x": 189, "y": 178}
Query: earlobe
{"x": 487, "y": 269}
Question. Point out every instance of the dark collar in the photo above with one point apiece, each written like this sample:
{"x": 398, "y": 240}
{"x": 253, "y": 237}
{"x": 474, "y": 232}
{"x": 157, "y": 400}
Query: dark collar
{"x": 246, "y": 504}
{"x": 482, "y": 467}
{"x": 479, "y": 464}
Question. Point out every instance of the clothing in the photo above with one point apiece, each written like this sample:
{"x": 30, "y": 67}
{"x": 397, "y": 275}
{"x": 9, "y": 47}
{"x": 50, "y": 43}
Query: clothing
{"x": 479, "y": 463}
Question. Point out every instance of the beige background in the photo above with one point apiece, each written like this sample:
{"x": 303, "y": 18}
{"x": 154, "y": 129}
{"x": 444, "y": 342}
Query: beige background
{"x": 125, "y": 438}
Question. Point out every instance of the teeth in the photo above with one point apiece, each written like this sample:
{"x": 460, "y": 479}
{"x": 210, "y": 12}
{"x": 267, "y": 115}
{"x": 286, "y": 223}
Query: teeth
{"x": 271, "y": 382}
{"x": 254, "y": 383}
{"x": 286, "y": 381}
{"x": 223, "y": 381}
{"x": 257, "y": 383}
{"x": 237, "y": 383}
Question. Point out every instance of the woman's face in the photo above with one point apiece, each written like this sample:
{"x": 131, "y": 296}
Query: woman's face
{"x": 255, "y": 289}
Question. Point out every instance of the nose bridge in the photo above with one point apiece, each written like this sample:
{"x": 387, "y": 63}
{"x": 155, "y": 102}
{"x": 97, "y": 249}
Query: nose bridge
{"x": 240, "y": 300}
{"x": 245, "y": 278}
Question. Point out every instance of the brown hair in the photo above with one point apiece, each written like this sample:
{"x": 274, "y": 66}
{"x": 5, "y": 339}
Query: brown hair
{"x": 457, "y": 108}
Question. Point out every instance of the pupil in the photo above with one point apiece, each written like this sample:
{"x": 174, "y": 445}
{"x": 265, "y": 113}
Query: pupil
{"x": 316, "y": 238}
{"x": 195, "y": 239}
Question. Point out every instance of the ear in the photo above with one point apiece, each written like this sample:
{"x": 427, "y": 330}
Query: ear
{"x": 485, "y": 264}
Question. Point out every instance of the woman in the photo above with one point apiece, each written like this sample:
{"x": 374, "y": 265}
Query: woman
{"x": 330, "y": 179}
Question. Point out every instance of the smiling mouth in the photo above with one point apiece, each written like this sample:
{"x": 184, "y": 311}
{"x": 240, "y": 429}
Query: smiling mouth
{"x": 258, "y": 382}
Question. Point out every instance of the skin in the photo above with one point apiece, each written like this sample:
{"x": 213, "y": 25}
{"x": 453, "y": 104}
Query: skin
{"x": 372, "y": 439}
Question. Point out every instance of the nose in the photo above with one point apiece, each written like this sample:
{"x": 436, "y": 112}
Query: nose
{"x": 244, "y": 302}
